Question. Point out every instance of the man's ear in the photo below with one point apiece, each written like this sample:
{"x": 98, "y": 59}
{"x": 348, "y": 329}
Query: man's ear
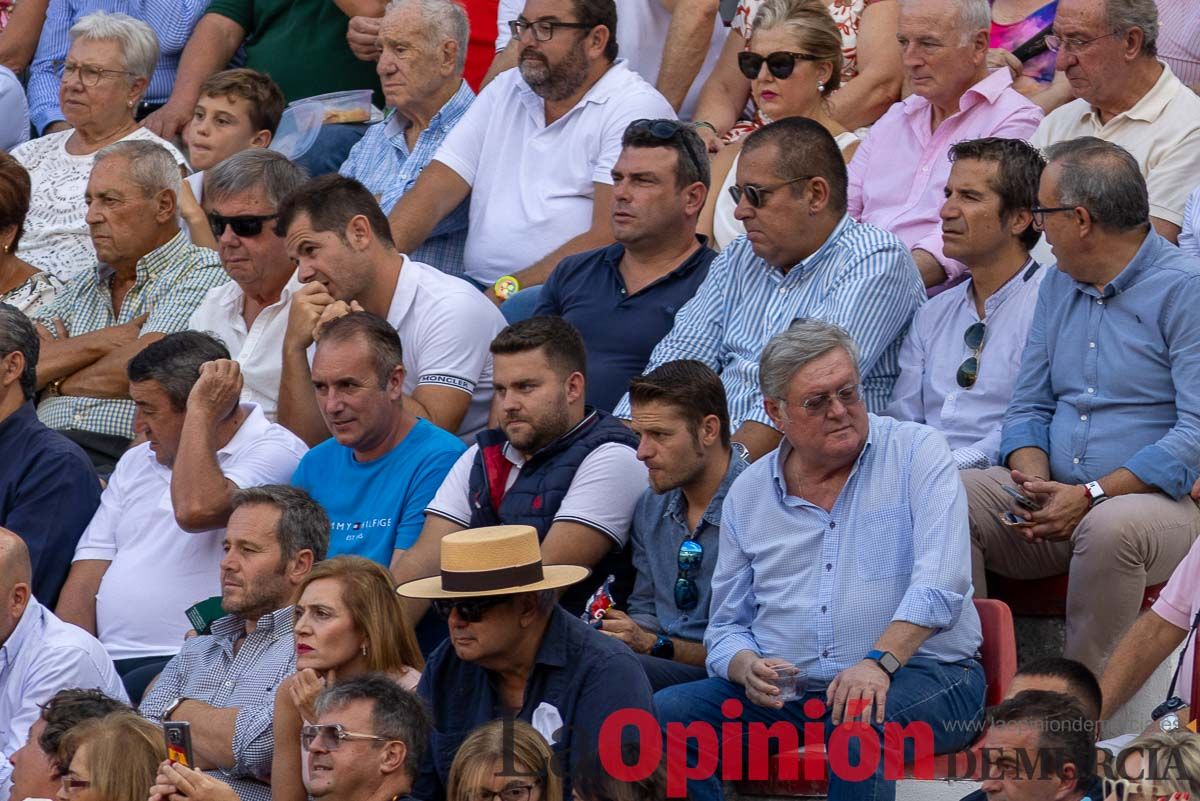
{"x": 394, "y": 752}
{"x": 818, "y": 198}
{"x": 395, "y": 385}
{"x": 575, "y": 386}
{"x": 166, "y": 205}
{"x": 710, "y": 430}
{"x": 262, "y": 138}
{"x": 299, "y": 566}
{"x": 12, "y": 366}
{"x": 775, "y": 411}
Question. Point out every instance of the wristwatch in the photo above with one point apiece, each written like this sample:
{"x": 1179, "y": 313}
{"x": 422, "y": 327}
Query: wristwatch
{"x": 663, "y": 648}
{"x": 171, "y": 707}
{"x": 740, "y": 451}
{"x": 886, "y": 660}
{"x": 1095, "y": 492}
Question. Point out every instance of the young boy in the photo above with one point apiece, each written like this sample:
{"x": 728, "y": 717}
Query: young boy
{"x": 237, "y": 110}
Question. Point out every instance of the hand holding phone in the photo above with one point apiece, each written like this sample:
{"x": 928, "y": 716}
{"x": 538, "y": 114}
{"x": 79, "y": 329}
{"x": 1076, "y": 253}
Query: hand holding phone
{"x": 178, "y": 736}
{"x": 1023, "y": 500}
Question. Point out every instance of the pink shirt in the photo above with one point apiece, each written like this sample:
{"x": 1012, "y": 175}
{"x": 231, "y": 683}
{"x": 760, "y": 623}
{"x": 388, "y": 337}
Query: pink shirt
{"x": 1177, "y": 604}
{"x": 898, "y": 175}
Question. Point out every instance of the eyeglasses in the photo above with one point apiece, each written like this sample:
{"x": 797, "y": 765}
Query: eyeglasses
{"x": 330, "y": 736}
{"x": 514, "y": 792}
{"x": 1129, "y": 790}
{"x": 780, "y": 63}
{"x": 1055, "y": 43}
{"x": 848, "y": 396}
{"x": 691, "y": 556}
{"x": 1039, "y": 214}
{"x": 757, "y": 195}
{"x": 89, "y": 75}
{"x": 246, "y": 225}
{"x": 968, "y": 371}
{"x": 666, "y": 131}
{"x": 72, "y": 785}
{"x": 469, "y": 609}
{"x": 543, "y": 30}
{"x": 926, "y": 47}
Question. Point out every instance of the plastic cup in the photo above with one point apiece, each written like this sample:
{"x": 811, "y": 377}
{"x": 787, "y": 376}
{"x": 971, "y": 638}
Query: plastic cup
{"x": 787, "y": 679}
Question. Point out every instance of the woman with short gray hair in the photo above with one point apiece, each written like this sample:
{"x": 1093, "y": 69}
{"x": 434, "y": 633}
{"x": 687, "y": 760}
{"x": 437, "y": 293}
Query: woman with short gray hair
{"x": 103, "y": 78}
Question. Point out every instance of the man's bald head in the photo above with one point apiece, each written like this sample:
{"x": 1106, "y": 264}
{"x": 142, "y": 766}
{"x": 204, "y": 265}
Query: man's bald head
{"x": 15, "y": 567}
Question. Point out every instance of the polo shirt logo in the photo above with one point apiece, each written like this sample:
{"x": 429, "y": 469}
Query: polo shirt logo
{"x": 537, "y": 502}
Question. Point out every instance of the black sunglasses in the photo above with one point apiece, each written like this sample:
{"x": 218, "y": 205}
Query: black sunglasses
{"x": 246, "y": 225}
{"x": 666, "y": 131}
{"x": 757, "y": 195}
{"x": 780, "y": 63}
{"x": 691, "y": 556}
{"x": 968, "y": 371}
{"x": 469, "y": 609}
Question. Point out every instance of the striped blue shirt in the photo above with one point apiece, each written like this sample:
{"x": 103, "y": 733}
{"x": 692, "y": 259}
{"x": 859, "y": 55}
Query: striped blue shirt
{"x": 819, "y": 588}
{"x": 172, "y": 21}
{"x": 382, "y": 162}
{"x": 861, "y": 278}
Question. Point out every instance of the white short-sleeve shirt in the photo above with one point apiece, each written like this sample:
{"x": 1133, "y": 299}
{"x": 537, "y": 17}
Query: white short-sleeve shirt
{"x": 532, "y": 185}
{"x": 157, "y": 569}
{"x": 602, "y": 495}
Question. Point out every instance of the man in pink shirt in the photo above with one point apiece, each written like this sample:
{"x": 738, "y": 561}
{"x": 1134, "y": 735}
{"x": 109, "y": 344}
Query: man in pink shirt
{"x": 1155, "y": 636}
{"x": 898, "y": 176}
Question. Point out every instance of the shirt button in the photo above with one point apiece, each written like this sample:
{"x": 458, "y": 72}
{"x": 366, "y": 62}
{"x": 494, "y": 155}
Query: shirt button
{"x": 782, "y": 290}
{"x": 1091, "y": 390}
{"x": 833, "y": 524}
{"x": 1083, "y": 417}
{"x": 1091, "y": 344}
{"x": 1099, "y": 303}
{"x": 825, "y": 653}
{"x": 829, "y": 566}
{"x": 229, "y": 684}
{"x": 823, "y": 609}
{"x": 1075, "y": 460}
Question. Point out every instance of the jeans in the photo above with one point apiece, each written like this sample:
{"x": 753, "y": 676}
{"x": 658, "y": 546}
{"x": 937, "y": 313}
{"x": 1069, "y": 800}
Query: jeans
{"x": 331, "y": 148}
{"x": 521, "y": 304}
{"x": 667, "y": 672}
{"x": 946, "y": 695}
{"x": 137, "y": 673}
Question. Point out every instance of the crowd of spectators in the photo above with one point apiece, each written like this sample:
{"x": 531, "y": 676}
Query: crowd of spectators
{"x": 683, "y": 363}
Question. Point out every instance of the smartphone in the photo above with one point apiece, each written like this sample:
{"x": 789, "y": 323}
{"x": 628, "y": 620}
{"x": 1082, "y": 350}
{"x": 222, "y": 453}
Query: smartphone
{"x": 1021, "y": 498}
{"x": 1009, "y": 519}
{"x": 178, "y": 735}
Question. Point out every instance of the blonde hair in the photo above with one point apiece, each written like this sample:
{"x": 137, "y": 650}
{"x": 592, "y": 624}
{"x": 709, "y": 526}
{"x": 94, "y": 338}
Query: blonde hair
{"x": 513, "y": 743}
{"x": 1176, "y": 753}
{"x": 369, "y": 594}
{"x": 812, "y": 26}
{"x": 124, "y": 752}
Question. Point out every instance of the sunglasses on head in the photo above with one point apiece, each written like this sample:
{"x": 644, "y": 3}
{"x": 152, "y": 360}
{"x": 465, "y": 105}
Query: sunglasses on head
{"x": 469, "y": 609}
{"x": 665, "y": 131}
{"x": 245, "y": 225}
{"x": 691, "y": 556}
{"x": 780, "y": 63}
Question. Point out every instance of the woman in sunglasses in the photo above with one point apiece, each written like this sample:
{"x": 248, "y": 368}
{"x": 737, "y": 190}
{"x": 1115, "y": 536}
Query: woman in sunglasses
{"x": 349, "y": 621}
{"x": 794, "y": 62}
{"x": 504, "y": 761}
{"x": 1163, "y": 765}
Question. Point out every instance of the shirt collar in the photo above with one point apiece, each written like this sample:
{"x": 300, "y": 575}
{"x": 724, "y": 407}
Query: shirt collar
{"x": 712, "y": 515}
{"x": 233, "y": 626}
{"x": 447, "y": 116}
{"x": 153, "y": 263}
{"x": 815, "y": 258}
{"x": 251, "y": 429}
{"x": 988, "y": 90}
{"x": 552, "y": 650}
{"x": 22, "y": 418}
{"x": 614, "y": 79}
{"x": 779, "y": 458}
{"x": 1149, "y": 106}
{"x": 28, "y": 629}
{"x": 235, "y": 298}
{"x": 1011, "y": 287}
{"x": 1146, "y": 256}
{"x": 514, "y": 456}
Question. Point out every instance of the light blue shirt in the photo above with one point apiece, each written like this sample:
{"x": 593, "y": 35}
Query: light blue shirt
{"x": 927, "y": 390}
{"x": 1112, "y": 379}
{"x": 861, "y": 278}
{"x": 42, "y": 656}
{"x": 14, "y": 111}
{"x": 1189, "y": 237}
{"x": 819, "y": 588}
{"x": 382, "y": 162}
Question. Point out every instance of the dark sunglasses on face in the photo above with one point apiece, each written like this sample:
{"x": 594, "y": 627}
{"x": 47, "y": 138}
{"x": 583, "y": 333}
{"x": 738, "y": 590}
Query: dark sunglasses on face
{"x": 469, "y": 609}
{"x": 757, "y": 195}
{"x": 968, "y": 371}
{"x": 666, "y": 131}
{"x": 246, "y": 225}
{"x": 780, "y": 63}
{"x": 691, "y": 556}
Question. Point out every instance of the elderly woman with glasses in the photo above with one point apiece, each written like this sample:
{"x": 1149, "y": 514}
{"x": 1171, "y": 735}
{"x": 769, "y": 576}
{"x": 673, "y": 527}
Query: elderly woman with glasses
{"x": 1163, "y": 765}
{"x": 504, "y": 761}
{"x": 103, "y": 78}
{"x": 113, "y": 758}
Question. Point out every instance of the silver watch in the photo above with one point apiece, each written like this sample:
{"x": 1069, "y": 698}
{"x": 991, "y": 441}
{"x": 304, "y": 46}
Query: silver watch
{"x": 740, "y": 451}
{"x": 1095, "y": 492}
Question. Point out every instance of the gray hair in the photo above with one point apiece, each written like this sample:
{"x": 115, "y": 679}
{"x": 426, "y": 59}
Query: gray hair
{"x": 444, "y": 20}
{"x": 151, "y": 166}
{"x": 303, "y": 524}
{"x": 1125, "y": 15}
{"x": 396, "y": 713}
{"x": 257, "y": 168}
{"x": 805, "y": 340}
{"x": 17, "y": 335}
{"x": 1104, "y": 179}
{"x": 973, "y": 16}
{"x": 138, "y": 42}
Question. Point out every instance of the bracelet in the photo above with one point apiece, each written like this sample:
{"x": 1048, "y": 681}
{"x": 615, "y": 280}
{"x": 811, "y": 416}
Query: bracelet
{"x": 506, "y": 286}
{"x": 706, "y": 124}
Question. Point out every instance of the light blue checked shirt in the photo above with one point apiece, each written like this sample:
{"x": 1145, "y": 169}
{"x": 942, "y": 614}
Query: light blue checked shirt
{"x": 861, "y": 278}
{"x": 819, "y": 588}
{"x": 381, "y": 162}
{"x": 172, "y": 21}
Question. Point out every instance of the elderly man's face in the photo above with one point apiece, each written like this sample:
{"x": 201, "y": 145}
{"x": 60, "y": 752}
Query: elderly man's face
{"x": 774, "y": 228}
{"x": 157, "y": 420}
{"x": 412, "y": 67}
{"x": 556, "y": 69}
{"x": 124, "y": 223}
{"x": 1016, "y": 745}
{"x": 940, "y": 58}
{"x": 831, "y": 432}
{"x": 252, "y": 261}
{"x": 1097, "y": 69}
{"x": 106, "y": 105}
{"x": 34, "y": 772}
{"x": 350, "y": 768}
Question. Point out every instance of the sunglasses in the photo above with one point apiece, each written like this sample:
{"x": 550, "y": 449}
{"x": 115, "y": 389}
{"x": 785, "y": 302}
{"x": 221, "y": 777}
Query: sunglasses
{"x": 666, "y": 131}
{"x": 757, "y": 195}
{"x": 469, "y": 609}
{"x": 246, "y": 225}
{"x": 330, "y": 736}
{"x": 780, "y": 63}
{"x": 968, "y": 371}
{"x": 1130, "y": 790}
{"x": 691, "y": 556}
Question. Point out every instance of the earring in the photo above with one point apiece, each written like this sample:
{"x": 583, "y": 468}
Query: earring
{"x": 820, "y": 86}
{"x": 130, "y": 104}
{"x": 364, "y": 649}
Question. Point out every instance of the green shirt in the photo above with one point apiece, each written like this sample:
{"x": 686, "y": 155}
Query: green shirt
{"x": 284, "y": 38}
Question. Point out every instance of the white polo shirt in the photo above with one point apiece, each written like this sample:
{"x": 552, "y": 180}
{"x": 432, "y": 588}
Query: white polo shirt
{"x": 157, "y": 569}
{"x": 258, "y": 350}
{"x": 531, "y": 184}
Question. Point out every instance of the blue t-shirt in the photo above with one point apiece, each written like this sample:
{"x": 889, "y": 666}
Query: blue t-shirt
{"x": 378, "y": 506}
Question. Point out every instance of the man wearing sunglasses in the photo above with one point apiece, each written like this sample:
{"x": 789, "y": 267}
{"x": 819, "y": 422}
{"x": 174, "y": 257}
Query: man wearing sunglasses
{"x": 962, "y": 354}
{"x": 1126, "y": 95}
{"x": 802, "y": 256}
{"x": 249, "y": 313}
{"x": 897, "y": 175}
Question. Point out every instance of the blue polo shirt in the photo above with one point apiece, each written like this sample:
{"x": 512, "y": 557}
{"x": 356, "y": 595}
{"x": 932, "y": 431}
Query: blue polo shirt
{"x": 619, "y": 330}
{"x": 583, "y": 674}
{"x": 48, "y": 494}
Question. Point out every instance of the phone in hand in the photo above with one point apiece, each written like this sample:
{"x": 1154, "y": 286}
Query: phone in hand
{"x": 1010, "y": 519}
{"x": 178, "y": 736}
{"x": 1021, "y": 498}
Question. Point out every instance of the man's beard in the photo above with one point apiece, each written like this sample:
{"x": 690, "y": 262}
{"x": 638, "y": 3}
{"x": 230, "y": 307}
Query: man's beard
{"x": 558, "y": 82}
{"x": 548, "y": 429}
{"x": 265, "y": 597}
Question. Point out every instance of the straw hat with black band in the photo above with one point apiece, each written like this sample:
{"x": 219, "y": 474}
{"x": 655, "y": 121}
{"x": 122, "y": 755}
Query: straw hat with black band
{"x": 496, "y": 560}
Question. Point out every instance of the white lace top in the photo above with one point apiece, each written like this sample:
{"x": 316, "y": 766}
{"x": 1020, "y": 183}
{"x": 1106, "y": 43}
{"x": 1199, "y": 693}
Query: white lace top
{"x": 56, "y": 235}
{"x": 30, "y": 296}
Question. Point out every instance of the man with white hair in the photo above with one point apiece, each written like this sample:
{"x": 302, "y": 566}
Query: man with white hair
{"x": 148, "y": 281}
{"x": 1108, "y": 50}
{"x": 423, "y": 48}
{"x": 899, "y": 172}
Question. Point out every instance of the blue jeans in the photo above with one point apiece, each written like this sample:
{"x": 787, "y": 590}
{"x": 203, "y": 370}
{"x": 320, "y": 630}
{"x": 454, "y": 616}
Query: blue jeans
{"x": 667, "y": 673}
{"x": 521, "y": 304}
{"x": 331, "y": 148}
{"x": 944, "y": 695}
